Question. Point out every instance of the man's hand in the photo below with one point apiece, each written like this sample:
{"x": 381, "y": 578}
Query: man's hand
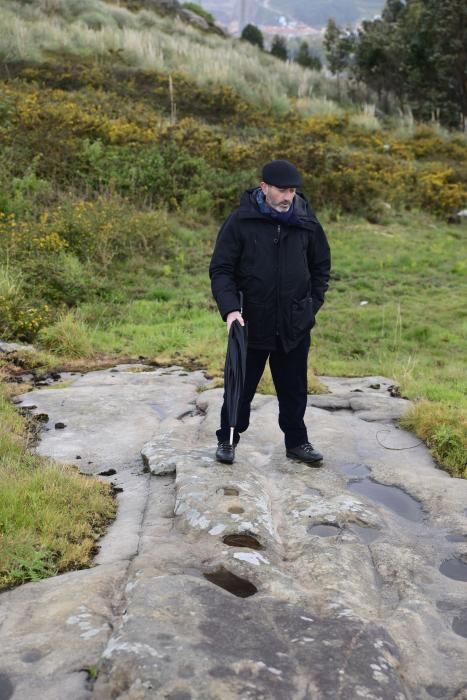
{"x": 234, "y": 316}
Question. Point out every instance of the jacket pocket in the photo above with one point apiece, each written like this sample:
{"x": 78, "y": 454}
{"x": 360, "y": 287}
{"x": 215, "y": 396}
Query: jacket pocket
{"x": 303, "y": 317}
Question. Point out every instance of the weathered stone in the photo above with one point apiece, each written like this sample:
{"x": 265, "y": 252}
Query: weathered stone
{"x": 180, "y": 607}
{"x": 15, "y": 347}
{"x": 194, "y": 19}
{"x": 369, "y": 398}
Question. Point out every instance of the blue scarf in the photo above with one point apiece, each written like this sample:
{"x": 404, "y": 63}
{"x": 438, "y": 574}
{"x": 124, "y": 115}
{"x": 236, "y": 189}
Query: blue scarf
{"x": 286, "y": 217}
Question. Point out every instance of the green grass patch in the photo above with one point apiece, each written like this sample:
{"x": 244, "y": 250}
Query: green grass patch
{"x": 395, "y": 307}
{"x": 50, "y": 515}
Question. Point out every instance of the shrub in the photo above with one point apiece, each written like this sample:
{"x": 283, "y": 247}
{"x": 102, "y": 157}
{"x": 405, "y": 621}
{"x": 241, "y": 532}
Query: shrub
{"x": 19, "y": 318}
{"x": 198, "y": 10}
{"x": 253, "y": 35}
{"x": 68, "y": 336}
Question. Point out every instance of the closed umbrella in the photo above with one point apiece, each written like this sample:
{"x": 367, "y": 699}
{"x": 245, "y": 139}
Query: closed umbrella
{"x": 234, "y": 372}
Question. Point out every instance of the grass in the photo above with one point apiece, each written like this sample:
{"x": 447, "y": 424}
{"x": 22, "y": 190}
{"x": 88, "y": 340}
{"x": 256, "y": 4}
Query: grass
{"x": 50, "y": 515}
{"x": 147, "y": 41}
{"x": 411, "y": 325}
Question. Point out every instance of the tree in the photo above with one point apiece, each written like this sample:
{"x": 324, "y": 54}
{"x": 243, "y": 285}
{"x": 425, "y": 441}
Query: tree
{"x": 253, "y": 35}
{"x": 279, "y": 48}
{"x": 306, "y": 59}
{"x": 338, "y": 45}
{"x": 416, "y": 51}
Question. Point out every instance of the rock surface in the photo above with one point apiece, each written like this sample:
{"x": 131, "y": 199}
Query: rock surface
{"x": 265, "y": 579}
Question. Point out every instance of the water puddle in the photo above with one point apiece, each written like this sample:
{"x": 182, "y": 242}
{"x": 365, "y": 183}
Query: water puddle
{"x": 236, "y": 510}
{"x": 459, "y": 624}
{"x": 31, "y": 656}
{"x": 355, "y": 471}
{"x": 242, "y": 539}
{"x": 324, "y": 530}
{"x": 365, "y": 534}
{"x": 454, "y": 568}
{"x": 392, "y": 497}
{"x": 437, "y": 691}
{"x": 453, "y": 537}
{"x": 6, "y": 687}
{"x": 225, "y": 579}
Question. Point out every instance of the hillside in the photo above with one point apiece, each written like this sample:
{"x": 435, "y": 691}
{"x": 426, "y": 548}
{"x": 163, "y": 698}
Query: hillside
{"x": 123, "y": 145}
{"x": 314, "y": 13}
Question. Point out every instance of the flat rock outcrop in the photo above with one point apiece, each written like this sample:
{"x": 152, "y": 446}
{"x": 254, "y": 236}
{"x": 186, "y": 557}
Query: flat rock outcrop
{"x": 264, "y": 579}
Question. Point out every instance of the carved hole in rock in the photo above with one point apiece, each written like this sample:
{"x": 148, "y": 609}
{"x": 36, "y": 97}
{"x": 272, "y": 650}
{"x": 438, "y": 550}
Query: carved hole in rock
{"x": 324, "y": 530}
{"x": 236, "y": 509}
{"x": 31, "y": 656}
{"x": 392, "y": 497}
{"x": 242, "y": 539}
{"x": 229, "y": 491}
{"x": 225, "y": 579}
{"x": 6, "y": 687}
{"x": 454, "y": 568}
{"x": 459, "y": 624}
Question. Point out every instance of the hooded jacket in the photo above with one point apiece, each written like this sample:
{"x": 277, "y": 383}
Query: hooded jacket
{"x": 281, "y": 268}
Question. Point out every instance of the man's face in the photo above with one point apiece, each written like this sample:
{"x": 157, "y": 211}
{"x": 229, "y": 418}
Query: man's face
{"x": 278, "y": 198}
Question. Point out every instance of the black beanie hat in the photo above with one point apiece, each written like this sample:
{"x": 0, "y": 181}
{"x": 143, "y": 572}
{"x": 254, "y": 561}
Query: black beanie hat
{"x": 281, "y": 173}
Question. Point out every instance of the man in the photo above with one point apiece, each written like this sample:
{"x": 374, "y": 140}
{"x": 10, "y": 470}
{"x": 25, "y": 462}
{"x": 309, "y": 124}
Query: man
{"x": 272, "y": 249}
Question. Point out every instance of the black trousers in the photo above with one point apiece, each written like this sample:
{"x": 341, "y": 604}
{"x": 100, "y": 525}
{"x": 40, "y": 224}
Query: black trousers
{"x": 289, "y": 374}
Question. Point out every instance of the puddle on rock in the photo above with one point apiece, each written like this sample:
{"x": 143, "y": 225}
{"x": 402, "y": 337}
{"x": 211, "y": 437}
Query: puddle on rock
{"x": 453, "y": 537}
{"x": 392, "y": 497}
{"x": 454, "y": 568}
{"x": 225, "y": 579}
{"x": 437, "y": 691}
{"x": 324, "y": 530}
{"x": 6, "y": 687}
{"x": 31, "y": 656}
{"x": 355, "y": 471}
{"x": 365, "y": 534}
{"x": 459, "y": 624}
{"x": 242, "y": 539}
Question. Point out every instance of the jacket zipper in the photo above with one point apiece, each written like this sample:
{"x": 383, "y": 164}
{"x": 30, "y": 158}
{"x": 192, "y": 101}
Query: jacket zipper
{"x": 277, "y": 243}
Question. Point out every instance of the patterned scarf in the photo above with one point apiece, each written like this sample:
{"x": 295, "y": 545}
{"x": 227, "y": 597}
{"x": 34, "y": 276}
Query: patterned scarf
{"x": 286, "y": 217}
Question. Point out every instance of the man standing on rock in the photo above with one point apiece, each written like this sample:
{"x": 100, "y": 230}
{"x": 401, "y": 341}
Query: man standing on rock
{"x": 274, "y": 250}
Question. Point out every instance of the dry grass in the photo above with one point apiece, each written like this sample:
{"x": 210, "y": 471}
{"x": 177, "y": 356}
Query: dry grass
{"x": 145, "y": 40}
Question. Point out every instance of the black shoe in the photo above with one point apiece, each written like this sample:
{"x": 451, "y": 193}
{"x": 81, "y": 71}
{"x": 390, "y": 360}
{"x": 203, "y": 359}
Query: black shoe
{"x": 225, "y": 452}
{"x": 305, "y": 453}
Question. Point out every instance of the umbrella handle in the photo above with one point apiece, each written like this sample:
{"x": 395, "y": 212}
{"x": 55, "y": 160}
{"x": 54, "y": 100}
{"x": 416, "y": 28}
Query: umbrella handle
{"x": 240, "y": 294}
{"x": 231, "y": 435}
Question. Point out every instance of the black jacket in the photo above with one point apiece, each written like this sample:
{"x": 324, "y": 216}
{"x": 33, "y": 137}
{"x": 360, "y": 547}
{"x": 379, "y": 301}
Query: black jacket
{"x": 282, "y": 270}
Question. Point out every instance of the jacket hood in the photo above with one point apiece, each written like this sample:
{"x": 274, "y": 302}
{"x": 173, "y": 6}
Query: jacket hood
{"x": 249, "y": 208}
